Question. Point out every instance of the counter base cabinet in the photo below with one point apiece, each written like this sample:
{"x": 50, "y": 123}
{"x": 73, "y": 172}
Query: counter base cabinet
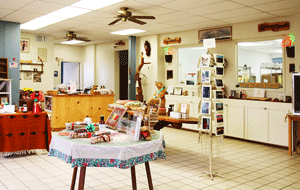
{"x": 257, "y": 120}
{"x": 72, "y": 108}
{"x": 257, "y": 124}
{"x": 234, "y": 119}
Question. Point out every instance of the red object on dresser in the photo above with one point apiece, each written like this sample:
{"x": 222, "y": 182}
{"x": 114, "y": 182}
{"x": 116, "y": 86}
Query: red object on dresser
{"x": 24, "y": 131}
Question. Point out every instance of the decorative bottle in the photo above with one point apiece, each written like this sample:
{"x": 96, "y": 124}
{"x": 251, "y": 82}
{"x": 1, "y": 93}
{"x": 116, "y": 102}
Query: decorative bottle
{"x": 101, "y": 124}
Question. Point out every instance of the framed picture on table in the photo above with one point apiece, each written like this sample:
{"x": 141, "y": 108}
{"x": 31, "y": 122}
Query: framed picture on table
{"x": 113, "y": 119}
{"x": 219, "y": 83}
{"x": 4, "y": 100}
{"x": 219, "y": 70}
{"x": 219, "y": 130}
{"x": 219, "y": 118}
{"x": 219, "y": 106}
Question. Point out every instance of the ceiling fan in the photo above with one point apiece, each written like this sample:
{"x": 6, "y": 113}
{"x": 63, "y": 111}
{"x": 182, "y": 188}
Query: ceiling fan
{"x": 72, "y": 36}
{"x": 125, "y": 15}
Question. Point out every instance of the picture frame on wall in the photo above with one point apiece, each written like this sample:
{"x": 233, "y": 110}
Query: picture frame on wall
{"x": 204, "y": 60}
{"x": 219, "y": 83}
{"x": 219, "y": 106}
{"x": 206, "y": 123}
{"x": 219, "y": 70}
{"x": 219, "y": 130}
{"x": 219, "y": 118}
{"x": 24, "y": 45}
{"x": 219, "y": 58}
{"x": 206, "y": 91}
{"x": 220, "y": 34}
{"x": 4, "y": 100}
{"x": 205, "y": 76}
{"x": 218, "y": 94}
{"x": 205, "y": 107}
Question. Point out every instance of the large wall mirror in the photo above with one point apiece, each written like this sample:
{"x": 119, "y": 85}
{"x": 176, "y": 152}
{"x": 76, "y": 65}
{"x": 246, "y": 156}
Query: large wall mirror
{"x": 260, "y": 63}
{"x": 188, "y": 60}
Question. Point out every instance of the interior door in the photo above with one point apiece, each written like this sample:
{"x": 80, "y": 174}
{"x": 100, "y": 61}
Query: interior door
{"x": 70, "y": 71}
{"x": 123, "y": 58}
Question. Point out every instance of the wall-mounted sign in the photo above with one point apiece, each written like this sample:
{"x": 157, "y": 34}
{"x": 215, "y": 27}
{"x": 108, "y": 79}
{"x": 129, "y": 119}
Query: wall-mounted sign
{"x": 223, "y": 33}
{"x": 275, "y": 26}
{"x": 119, "y": 44}
{"x": 259, "y": 85}
{"x": 169, "y": 40}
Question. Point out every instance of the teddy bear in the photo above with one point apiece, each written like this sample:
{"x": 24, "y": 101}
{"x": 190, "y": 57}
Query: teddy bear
{"x": 145, "y": 133}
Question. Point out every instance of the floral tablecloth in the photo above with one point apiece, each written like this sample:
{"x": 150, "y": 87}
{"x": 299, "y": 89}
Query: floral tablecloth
{"x": 121, "y": 151}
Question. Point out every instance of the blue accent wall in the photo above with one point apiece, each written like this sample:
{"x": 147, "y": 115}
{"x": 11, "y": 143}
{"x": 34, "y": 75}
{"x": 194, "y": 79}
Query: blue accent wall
{"x": 132, "y": 65}
{"x": 10, "y": 48}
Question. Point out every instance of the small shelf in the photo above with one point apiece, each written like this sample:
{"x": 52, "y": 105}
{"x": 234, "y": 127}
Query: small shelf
{"x": 30, "y": 71}
{"x": 4, "y": 92}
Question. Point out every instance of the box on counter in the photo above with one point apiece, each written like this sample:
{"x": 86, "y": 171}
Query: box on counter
{"x": 176, "y": 115}
{"x": 185, "y": 115}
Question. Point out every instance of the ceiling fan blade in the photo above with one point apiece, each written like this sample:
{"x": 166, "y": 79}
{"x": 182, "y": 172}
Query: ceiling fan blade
{"x": 143, "y": 17}
{"x": 82, "y": 39}
{"x": 114, "y": 22}
{"x": 137, "y": 21}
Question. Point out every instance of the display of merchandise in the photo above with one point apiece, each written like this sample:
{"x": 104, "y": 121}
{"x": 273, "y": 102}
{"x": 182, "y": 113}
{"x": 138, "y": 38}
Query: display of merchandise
{"x": 101, "y": 124}
{"x": 211, "y": 119}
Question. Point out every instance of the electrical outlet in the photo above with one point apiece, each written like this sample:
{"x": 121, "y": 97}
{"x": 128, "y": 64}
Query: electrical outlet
{"x": 281, "y": 96}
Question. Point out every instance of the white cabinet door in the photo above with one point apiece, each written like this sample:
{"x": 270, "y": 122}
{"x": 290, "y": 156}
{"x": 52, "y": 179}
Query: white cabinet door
{"x": 234, "y": 120}
{"x": 278, "y": 128}
{"x": 257, "y": 124}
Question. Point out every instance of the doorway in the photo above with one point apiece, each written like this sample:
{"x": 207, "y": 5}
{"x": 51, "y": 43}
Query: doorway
{"x": 123, "y": 80}
{"x": 70, "y": 71}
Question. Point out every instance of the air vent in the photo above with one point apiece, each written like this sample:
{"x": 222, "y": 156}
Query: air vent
{"x": 41, "y": 38}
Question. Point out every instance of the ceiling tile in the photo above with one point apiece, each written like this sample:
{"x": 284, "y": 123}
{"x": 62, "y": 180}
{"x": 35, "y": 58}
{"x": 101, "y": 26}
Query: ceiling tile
{"x": 286, "y": 12}
{"x": 248, "y": 18}
{"x": 21, "y": 17}
{"x": 5, "y": 12}
{"x": 171, "y": 30}
{"x": 254, "y": 2}
{"x": 41, "y": 7}
{"x": 233, "y": 13}
{"x": 173, "y": 16}
{"x": 69, "y": 23}
{"x": 187, "y": 21}
{"x": 155, "y": 2}
{"x": 155, "y": 11}
{"x": 279, "y": 5}
{"x": 204, "y": 25}
{"x": 132, "y": 6}
{"x": 214, "y": 8}
{"x": 94, "y": 16}
{"x": 14, "y": 4}
{"x": 183, "y": 4}
{"x": 64, "y": 2}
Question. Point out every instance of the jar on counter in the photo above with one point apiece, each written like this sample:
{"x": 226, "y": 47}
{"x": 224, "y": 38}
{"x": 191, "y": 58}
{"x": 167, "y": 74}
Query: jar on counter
{"x": 24, "y": 108}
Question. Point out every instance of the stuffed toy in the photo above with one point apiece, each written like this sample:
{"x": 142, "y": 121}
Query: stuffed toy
{"x": 145, "y": 133}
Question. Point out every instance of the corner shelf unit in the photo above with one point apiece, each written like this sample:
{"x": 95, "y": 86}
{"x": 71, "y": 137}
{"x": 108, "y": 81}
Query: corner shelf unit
{"x": 33, "y": 64}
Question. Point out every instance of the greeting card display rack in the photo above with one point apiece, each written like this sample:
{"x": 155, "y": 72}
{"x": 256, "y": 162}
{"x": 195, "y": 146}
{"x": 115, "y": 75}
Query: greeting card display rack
{"x": 211, "y": 72}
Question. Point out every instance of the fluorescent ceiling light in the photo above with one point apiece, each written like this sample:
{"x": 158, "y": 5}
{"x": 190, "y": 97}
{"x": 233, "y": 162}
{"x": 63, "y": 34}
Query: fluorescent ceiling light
{"x": 41, "y": 22}
{"x": 69, "y": 12}
{"x": 128, "y": 31}
{"x": 72, "y": 42}
{"x": 94, "y": 4}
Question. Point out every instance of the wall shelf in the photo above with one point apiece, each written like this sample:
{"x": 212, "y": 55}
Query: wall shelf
{"x": 3, "y": 68}
{"x": 35, "y": 64}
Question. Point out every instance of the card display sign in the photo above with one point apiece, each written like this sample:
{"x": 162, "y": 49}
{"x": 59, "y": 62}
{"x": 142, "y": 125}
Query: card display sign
{"x": 259, "y": 93}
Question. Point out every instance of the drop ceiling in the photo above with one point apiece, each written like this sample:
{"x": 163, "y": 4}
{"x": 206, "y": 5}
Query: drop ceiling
{"x": 171, "y": 16}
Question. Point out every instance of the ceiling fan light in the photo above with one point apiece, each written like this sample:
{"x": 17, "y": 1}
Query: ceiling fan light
{"x": 124, "y": 19}
{"x": 72, "y": 42}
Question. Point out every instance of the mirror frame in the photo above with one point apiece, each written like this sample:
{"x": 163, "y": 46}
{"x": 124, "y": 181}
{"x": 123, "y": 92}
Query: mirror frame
{"x": 267, "y": 86}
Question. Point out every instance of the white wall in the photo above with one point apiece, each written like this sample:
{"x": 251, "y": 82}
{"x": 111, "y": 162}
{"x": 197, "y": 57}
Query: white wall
{"x": 47, "y": 78}
{"x": 89, "y": 65}
{"x": 68, "y": 53}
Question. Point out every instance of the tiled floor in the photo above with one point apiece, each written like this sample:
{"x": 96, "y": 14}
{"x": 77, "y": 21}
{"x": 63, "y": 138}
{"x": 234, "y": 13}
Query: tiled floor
{"x": 244, "y": 165}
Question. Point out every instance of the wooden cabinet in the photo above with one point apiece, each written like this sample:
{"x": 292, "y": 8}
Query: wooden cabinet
{"x": 3, "y": 68}
{"x": 72, "y": 108}
{"x": 257, "y": 120}
{"x": 234, "y": 121}
{"x": 5, "y": 91}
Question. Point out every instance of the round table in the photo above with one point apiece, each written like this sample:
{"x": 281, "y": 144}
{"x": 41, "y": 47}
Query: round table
{"x": 121, "y": 152}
